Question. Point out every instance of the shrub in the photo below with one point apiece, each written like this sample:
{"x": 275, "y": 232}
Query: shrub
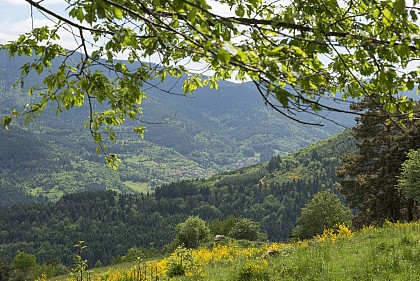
{"x": 253, "y": 272}
{"x": 324, "y": 211}
{"x": 219, "y": 227}
{"x": 409, "y": 180}
{"x": 23, "y": 261}
{"x": 4, "y": 270}
{"x": 180, "y": 262}
{"x": 247, "y": 229}
{"x": 192, "y": 232}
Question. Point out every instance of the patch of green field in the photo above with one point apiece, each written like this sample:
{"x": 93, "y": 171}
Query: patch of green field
{"x": 53, "y": 194}
{"x": 140, "y": 187}
{"x": 36, "y": 191}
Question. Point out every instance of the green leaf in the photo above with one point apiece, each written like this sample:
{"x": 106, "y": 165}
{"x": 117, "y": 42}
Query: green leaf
{"x": 77, "y": 13}
{"x": 413, "y": 15}
{"x": 117, "y": 12}
{"x": 6, "y": 121}
{"x": 191, "y": 14}
{"x": 140, "y": 130}
{"x": 112, "y": 160}
{"x": 298, "y": 51}
{"x": 178, "y": 5}
{"x": 402, "y": 50}
{"x": 410, "y": 84}
{"x": 392, "y": 40}
{"x": 213, "y": 83}
{"x": 390, "y": 107}
{"x": 240, "y": 11}
{"x": 399, "y": 6}
{"x": 223, "y": 56}
{"x": 26, "y": 120}
{"x": 282, "y": 96}
{"x": 121, "y": 67}
{"x": 376, "y": 13}
{"x": 388, "y": 17}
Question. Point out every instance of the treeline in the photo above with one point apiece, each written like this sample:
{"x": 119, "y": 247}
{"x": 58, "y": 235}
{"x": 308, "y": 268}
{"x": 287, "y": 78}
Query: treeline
{"x": 111, "y": 223}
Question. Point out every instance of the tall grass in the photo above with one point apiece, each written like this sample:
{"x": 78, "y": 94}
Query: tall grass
{"x": 388, "y": 253}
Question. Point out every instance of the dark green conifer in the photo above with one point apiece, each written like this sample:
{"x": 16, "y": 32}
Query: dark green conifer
{"x": 369, "y": 177}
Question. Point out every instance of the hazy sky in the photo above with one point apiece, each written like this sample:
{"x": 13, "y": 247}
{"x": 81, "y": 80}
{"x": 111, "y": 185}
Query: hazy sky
{"x": 15, "y": 19}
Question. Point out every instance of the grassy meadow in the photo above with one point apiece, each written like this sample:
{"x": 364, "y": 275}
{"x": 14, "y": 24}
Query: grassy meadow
{"x": 388, "y": 253}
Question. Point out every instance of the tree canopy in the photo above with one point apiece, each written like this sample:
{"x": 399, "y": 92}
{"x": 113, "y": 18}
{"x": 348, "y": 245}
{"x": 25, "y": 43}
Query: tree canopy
{"x": 370, "y": 176}
{"x": 299, "y": 54}
{"x": 192, "y": 232}
{"x": 325, "y": 210}
{"x": 409, "y": 180}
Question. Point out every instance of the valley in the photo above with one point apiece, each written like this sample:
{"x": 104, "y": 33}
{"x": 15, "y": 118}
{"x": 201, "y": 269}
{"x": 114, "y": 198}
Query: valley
{"x": 187, "y": 137}
{"x": 217, "y": 155}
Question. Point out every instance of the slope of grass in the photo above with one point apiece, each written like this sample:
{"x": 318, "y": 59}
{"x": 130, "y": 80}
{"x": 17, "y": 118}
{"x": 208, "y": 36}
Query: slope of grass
{"x": 388, "y": 253}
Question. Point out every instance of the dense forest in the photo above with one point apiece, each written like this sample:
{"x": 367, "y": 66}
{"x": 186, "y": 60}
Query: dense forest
{"x": 272, "y": 193}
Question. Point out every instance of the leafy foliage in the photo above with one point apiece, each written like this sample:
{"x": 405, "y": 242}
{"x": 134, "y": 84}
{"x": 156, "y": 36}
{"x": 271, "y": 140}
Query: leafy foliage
{"x": 246, "y": 229}
{"x": 79, "y": 263}
{"x": 222, "y": 227}
{"x": 4, "y": 270}
{"x": 370, "y": 175}
{"x": 23, "y": 264}
{"x": 252, "y": 272}
{"x": 180, "y": 262}
{"x": 324, "y": 211}
{"x": 192, "y": 232}
{"x": 279, "y": 47}
{"x": 409, "y": 180}
{"x": 23, "y": 261}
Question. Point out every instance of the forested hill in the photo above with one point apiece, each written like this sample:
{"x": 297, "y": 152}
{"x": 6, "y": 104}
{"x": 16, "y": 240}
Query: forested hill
{"x": 271, "y": 193}
{"x": 198, "y": 135}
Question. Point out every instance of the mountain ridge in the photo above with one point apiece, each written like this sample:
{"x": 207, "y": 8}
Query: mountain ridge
{"x": 197, "y": 136}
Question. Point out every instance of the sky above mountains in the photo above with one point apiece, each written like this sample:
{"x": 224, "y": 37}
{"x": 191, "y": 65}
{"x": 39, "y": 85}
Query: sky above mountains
{"x": 17, "y": 17}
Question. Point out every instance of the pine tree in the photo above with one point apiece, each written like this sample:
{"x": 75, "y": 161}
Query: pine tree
{"x": 370, "y": 177}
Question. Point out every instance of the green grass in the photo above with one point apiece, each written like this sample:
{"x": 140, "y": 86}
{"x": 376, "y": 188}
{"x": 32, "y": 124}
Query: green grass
{"x": 99, "y": 271}
{"x": 388, "y": 253}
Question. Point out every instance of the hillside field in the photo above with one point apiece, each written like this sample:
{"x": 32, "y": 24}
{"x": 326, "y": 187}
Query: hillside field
{"x": 387, "y": 253}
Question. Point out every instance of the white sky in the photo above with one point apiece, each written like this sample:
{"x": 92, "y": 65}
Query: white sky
{"x": 15, "y": 19}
